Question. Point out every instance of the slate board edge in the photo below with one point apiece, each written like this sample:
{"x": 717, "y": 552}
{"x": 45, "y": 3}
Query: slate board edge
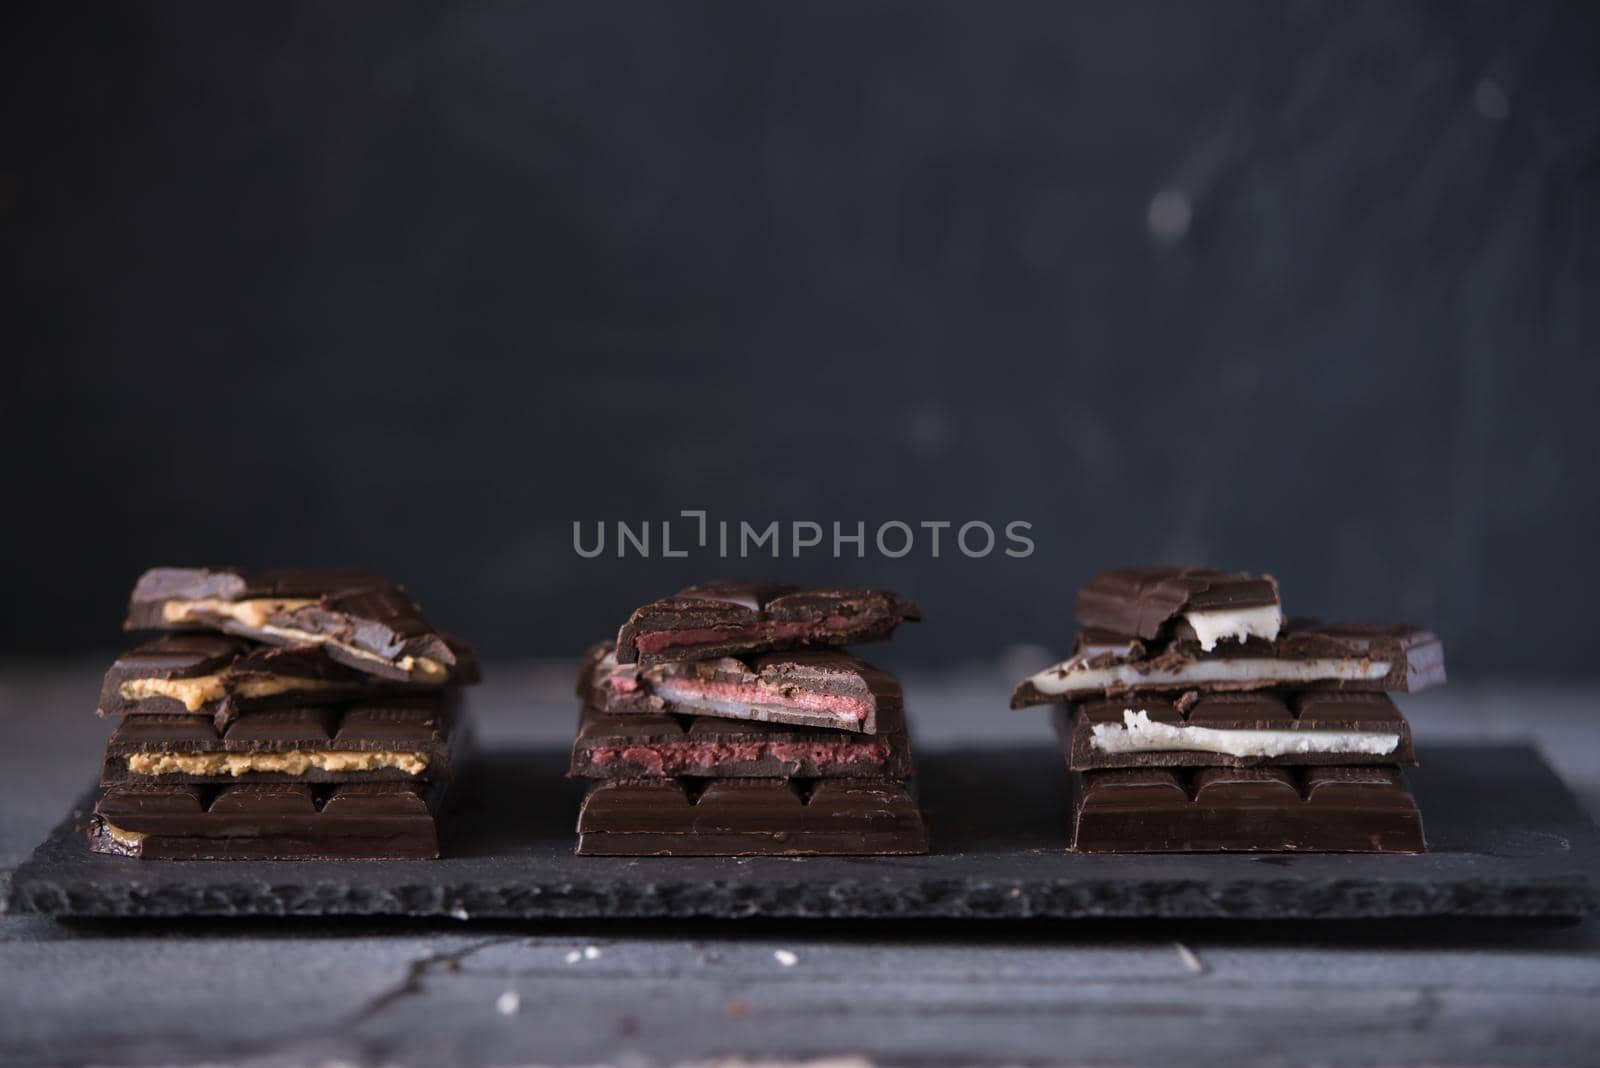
{"x": 1065, "y": 899}
{"x": 34, "y": 890}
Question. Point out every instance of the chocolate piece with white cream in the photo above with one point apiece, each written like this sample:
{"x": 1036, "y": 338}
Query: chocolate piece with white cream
{"x": 1306, "y": 655}
{"x": 1210, "y": 606}
{"x": 1315, "y": 727}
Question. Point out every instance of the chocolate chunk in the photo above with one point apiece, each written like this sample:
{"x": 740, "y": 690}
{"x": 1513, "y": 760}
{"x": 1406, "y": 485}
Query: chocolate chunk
{"x": 808, "y": 687}
{"x": 735, "y": 618}
{"x": 1234, "y": 730}
{"x": 1306, "y": 655}
{"x": 361, "y": 620}
{"x": 404, "y": 739}
{"x": 268, "y": 821}
{"x": 1323, "y": 810}
{"x": 1145, "y": 602}
{"x": 221, "y": 676}
{"x": 741, "y": 817}
{"x": 628, "y": 745}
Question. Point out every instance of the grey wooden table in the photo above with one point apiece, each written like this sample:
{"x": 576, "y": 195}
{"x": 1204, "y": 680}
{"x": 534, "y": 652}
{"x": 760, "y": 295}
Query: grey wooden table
{"x": 292, "y": 993}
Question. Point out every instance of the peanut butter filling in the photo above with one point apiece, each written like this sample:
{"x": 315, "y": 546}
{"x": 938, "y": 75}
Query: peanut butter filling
{"x": 256, "y": 612}
{"x": 197, "y": 691}
{"x": 289, "y": 762}
{"x": 252, "y": 613}
{"x": 126, "y": 839}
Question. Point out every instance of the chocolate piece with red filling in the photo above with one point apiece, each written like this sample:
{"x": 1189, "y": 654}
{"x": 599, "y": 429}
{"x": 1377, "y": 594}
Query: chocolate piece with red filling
{"x": 807, "y": 687}
{"x": 651, "y": 745}
{"x": 735, "y": 618}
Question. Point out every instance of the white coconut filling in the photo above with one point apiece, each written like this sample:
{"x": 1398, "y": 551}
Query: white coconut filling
{"x": 1235, "y": 624}
{"x": 1073, "y": 677}
{"x": 695, "y": 702}
{"x": 1138, "y": 734}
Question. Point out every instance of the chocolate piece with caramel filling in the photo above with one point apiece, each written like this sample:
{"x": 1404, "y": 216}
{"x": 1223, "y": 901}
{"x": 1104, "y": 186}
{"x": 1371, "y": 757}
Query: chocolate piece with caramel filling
{"x": 202, "y": 673}
{"x": 362, "y": 620}
{"x": 409, "y": 739}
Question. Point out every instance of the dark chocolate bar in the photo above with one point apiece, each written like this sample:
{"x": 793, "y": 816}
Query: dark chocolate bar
{"x": 1145, "y": 602}
{"x": 649, "y": 745}
{"x": 1306, "y": 655}
{"x": 805, "y": 687}
{"x": 360, "y": 619}
{"x": 222, "y": 677}
{"x": 405, "y": 739}
{"x": 268, "y": 821}
{"x": 741, "y": 817}
{"x": 735, "y": 618}
{"x": 1213, "y": 810}
{"x": 1235, "y": 729}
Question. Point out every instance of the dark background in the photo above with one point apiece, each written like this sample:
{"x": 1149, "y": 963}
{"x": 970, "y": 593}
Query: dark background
{"x": 415, "y": 287}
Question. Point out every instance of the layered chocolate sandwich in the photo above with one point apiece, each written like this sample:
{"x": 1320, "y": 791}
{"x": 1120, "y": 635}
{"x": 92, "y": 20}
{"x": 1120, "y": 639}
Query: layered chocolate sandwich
{"x": 806, "y": 687}
{"x": 287, "y": 714}
{"x": 1195, "y": 717}
{"x": 728, "y": 720}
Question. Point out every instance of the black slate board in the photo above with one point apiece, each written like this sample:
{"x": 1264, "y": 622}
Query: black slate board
{"x": 1507, "y": 839}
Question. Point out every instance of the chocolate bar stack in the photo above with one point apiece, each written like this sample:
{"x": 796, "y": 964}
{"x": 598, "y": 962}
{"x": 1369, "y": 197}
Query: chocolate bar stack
{"x": 727, "y": 720}
{"x": 1195, "y": 718}
{"x": 284, "y": 715}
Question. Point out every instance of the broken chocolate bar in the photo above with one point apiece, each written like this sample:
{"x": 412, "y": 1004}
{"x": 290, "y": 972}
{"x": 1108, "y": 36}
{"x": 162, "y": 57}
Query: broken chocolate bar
{"x": 1208, "y": 810}
{"x": 361, "y": 620}
{"x": 222, "y": 677}
{"x": 404, "y": 739}
{"x": 735, "y": 618}
{"x": 807, "y": 687}
{"x": 648, "y": 745}
{"x": 1145, "y": 602}
{"x": 1306, "y": 655}
{"x": 742, "y": 817}
{"x": 268, "y": 821}
{"x": 1235, "y": 729}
